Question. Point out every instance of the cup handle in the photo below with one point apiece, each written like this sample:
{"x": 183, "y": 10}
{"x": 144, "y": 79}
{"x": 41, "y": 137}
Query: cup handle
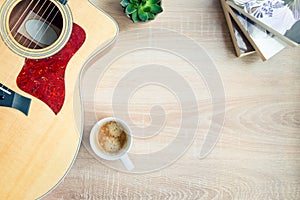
{"x": 127, "y": 162}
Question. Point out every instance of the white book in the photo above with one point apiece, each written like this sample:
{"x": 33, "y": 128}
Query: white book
{"x": 267, "y": 43}
{"x": 280, "y": 17}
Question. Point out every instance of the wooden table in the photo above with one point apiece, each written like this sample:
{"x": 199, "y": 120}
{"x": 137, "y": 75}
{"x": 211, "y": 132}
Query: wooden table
{"x": 258, "y": 153}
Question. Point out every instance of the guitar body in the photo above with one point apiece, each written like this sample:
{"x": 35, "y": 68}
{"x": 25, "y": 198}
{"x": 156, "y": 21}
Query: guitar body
{"x": 38, "y": 149}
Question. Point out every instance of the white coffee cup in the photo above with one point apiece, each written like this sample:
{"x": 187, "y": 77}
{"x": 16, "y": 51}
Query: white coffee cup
{"x": 122, "y": 154}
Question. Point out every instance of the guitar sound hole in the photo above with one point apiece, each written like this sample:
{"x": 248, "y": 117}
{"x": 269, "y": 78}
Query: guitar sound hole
{"x": 35, "y": 24}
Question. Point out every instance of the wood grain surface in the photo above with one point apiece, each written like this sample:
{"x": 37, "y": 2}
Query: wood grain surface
{"x": 258, "y": 154}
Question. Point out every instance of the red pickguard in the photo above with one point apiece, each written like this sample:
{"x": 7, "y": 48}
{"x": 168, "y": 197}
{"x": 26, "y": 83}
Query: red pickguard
{"x": 45, "y": 78}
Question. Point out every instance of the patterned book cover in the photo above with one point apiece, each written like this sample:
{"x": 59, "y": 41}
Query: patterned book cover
{"x": 266, "y": 44}
{"x": 280, "y": 17}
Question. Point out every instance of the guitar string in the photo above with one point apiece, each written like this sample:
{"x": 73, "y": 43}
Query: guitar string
{"x": 10, "y": 74}
{"x": 23, "y": 16}
{"x": 44, "y": 22}
{"x": 15, "y": 69}
{"x": 39, "y": 19}
{"x": 28, "y": 6}
{"x": 48, "y": 26}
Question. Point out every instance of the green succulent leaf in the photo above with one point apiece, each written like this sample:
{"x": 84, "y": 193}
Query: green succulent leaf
{"x": 153, "y": 1}
{"x": 142, "y": 15}
{"x": 146, "y": 8}
{"x": 135, "y": 17}
{"x": 124, "y": 3}
{"x": 141, "y": 10}
{"x": 155, "y": 9}
{"x": 151, "y": 16}
{"x": 134, "y": 1}
{"x": 130, "y": 9}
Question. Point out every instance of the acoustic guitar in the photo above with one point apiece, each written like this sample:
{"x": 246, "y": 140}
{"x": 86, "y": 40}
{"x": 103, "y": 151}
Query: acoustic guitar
{"x": 44, "y": 45}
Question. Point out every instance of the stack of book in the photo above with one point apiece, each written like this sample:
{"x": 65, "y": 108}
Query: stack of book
{"x": 262, "y": 26}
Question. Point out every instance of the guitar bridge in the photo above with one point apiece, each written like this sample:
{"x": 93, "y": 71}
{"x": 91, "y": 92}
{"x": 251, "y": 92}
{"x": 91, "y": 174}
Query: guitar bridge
{"x": 9, "y": 98}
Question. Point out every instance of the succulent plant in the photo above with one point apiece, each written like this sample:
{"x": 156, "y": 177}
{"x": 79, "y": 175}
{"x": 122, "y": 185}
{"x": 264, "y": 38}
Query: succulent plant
{"x": 141, "y": 10}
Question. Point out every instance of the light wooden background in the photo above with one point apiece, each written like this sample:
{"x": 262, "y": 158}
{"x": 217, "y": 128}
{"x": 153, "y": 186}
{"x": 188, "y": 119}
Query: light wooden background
{"x": 258, "y": 154}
